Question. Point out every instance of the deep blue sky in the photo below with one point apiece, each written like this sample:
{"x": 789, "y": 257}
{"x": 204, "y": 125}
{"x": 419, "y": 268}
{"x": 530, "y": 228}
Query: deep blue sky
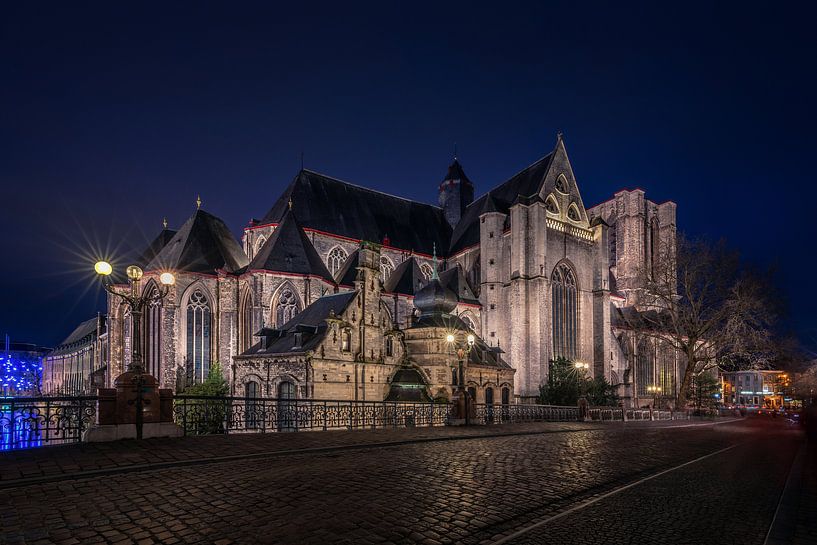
{"x": 115, "y": 116}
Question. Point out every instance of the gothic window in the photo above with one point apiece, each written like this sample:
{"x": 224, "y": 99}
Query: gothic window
{"x": 245, "y": 326}
{"x": 386, "y": 268}
{"x": 287, "y": 307}
{"x": 152, "y": 332}
{"x": 654, "y": 248}
{"x": 475, "y": 276}
{"x": 644, "y": 368}
{"x": 346, "y": 340}
{"x": 573, "y": 213}
{"x": 561, "y": 183}
{"x": 666, "y": 370}
{"x": 287, "y": 409}
{"x": 565, "y": 312}
{"x": 551, "y": 206}
{"x": 337, "y": 257}
{"x": 468, "y": 322}
{"x": 427, "y": 271}
{"x": 259, "y": 244}
{"x": 198, "y": 335}
{"x": 390, "y": 345}
{"x": 252, "y": 408}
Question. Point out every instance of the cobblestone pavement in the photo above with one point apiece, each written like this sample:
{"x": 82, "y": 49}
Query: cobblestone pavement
{"x": 437, "y": 489}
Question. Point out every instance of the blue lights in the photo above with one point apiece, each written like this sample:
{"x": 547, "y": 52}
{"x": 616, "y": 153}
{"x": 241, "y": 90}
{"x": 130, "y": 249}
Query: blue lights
{"x": 20, "y": 375}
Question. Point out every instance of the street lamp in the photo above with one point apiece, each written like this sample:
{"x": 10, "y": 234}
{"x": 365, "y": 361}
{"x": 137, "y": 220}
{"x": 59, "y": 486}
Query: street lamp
{"x": 654, "y": 389}
{"x": 136, "y": 303}
{"x": 463, "y": 351}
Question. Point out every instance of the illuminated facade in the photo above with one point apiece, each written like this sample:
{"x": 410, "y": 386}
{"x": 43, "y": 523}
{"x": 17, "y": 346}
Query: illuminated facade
{"x": 535, "y": 275}
{"x": 754, "y": 388}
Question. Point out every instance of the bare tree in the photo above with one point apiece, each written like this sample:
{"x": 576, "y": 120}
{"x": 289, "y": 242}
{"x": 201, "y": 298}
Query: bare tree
{"x": 699, "y": 298}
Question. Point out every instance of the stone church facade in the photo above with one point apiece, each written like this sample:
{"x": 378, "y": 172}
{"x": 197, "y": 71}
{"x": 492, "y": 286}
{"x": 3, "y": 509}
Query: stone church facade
{"x": 321, "y": 297}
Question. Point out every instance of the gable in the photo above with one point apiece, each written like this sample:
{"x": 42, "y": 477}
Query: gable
{"x": 559, "y": 184}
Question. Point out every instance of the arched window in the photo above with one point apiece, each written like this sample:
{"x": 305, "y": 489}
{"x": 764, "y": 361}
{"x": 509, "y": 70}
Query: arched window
{"x": 386, "y": 268}
{"x": 666, "y": 370}
{"x": 252, "y": 409}
{"x": 346, "y": 340}
{"x": 336, "y": 258}
{"x": 427, "y": 271}
{"x": 565, "y": 312}
{"x": 561, "y": 183}
{"x": 245, "y": 322}
{"x": 551, "y": 206}
{"x": 475, "y": 276}
{"x": 389, "y": 345}
{"x": 573, "y": 213}
{"x": 287, "y": 306}
{"x": 644, "y": 368}
{"x": 506, "y": 395}
{"x": 287, "y": 409}
{"x": 198, "y": 336}
{"x": 152, "y": 333}
{"x": 259, "y": 243}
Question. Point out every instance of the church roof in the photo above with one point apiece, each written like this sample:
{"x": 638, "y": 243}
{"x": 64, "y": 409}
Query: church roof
{"x": 347, "y": 274}
{"x": 340, "y": 208}
{"x": 310, "y": 323}
{"x": 454, "y": 280}
{"x": 525, "y": 183}
{"x": 84, "y": 332}
{"x": 406, "y": 278}
{"x": 155, "y": 246}
{"x": 455, "y": 172}
{"x": 204, "y": 244}
{"x": 289, "y": 250}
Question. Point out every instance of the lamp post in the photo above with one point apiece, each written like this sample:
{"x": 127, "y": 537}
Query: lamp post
{"x": 463, "y": 351}
{"x": 136, "y": 303}
{"x": 654, "y": 389}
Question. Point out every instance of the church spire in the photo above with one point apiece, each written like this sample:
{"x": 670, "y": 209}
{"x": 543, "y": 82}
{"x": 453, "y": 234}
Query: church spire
{"x": 456, "y": 192}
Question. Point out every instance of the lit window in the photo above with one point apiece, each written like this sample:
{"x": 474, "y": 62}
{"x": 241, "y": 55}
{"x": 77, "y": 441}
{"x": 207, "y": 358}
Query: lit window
{"x": 565, "y": 312}
{"x": 198, "y": 336}
{"x": 386, "y": 268}
{"x": 337, "y": 257}
{"x": 346, "y": 341}
{"x": 287, "y": 308}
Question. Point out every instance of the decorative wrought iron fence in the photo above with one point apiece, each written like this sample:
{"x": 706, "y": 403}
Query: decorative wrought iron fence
{"x": 513, "y": 414}
{"x": 604, "y": 414}
{"x": 201, "y": 415}
{"x": 28, "y": 422}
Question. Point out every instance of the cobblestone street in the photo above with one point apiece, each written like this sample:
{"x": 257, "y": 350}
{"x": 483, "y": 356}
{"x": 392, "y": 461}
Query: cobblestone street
{"x": 479, "y": 485}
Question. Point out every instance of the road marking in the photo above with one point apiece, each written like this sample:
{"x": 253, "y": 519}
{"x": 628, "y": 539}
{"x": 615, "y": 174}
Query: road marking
{"x": 590, "y": 502}
{"x": 784, "y": 521}
{"x": 701, "y": 424}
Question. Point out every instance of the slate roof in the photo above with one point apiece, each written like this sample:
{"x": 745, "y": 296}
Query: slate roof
{"x": 289, "y": 250}
{"x": 406, "y": 278}
{"x": 204, "y": 244}
{"x": 455, "y": 172}
{"x": 334, "y": 206}
{"x": 454, "y": 280}
{"x": 83, "y": 333}
{"x": 311, "y": 323}
{"x": 161, "y": 240}
{"x": 525, "y": 184}
{"x": 347, "y": 274}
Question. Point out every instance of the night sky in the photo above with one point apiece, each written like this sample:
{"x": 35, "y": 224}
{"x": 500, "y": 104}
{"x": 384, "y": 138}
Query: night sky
{"x": 114, "y": 117}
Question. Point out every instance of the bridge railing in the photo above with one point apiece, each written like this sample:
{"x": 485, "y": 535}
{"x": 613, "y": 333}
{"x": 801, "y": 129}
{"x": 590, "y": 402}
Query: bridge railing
{"x": 520, "y": 413}
{"x": 202, "y": 415}
{"x": 28, "y": 422}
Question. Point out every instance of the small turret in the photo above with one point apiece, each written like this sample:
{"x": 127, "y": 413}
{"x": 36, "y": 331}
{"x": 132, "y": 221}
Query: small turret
{"x": 456, "y": 193}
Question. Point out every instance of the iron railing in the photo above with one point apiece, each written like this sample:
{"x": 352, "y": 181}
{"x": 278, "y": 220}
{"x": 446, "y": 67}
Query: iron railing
{"x": 202, "y": 415}
{"x": 28, "y": 422}
{"x": 519, "y": 413}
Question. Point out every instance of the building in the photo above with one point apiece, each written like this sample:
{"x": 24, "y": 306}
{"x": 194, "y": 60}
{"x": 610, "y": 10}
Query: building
{"x": 79, "y": 364}
{"x": 21, "y": 369}
{"x": 754, "y": 388}
{"x": 536, "y": 275}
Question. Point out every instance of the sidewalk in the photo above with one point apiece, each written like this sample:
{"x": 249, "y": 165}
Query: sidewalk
{"x": 32, "y": 466}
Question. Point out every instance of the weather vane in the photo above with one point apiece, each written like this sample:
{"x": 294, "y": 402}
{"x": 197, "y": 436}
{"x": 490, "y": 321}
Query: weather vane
{"x": 198, "y": 202}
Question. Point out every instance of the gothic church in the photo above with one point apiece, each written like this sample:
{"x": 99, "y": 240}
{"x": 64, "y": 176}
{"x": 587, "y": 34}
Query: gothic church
{"x": 343, "y": 292}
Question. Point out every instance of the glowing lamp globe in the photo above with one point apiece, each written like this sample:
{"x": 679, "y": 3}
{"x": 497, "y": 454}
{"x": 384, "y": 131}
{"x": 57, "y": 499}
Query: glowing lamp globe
{"x": 471, "y": 339}
{"x": 167, "y": 278}
{"x": 449, "y": 338}
{"x": 103, "y": 268}
{"x": 134, "y": 272}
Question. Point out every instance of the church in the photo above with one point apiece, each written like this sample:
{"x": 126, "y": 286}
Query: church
{"x": 343, "y": 292}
